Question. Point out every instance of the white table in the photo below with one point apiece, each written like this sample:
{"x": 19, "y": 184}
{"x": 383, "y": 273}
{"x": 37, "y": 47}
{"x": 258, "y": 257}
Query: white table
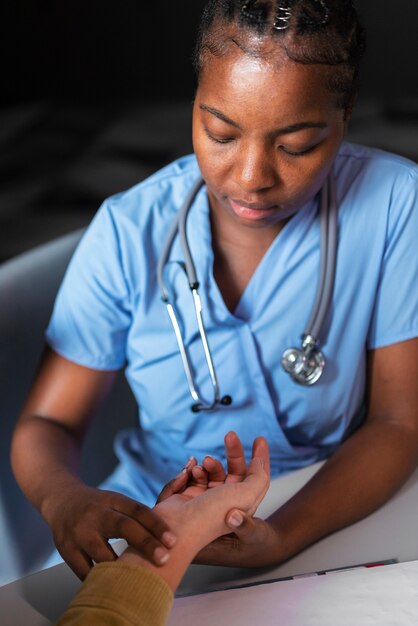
{"x": 390, "y": 532}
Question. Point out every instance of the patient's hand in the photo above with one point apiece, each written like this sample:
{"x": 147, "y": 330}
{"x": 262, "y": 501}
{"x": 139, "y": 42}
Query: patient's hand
{"x": 195, "y": 479}
{"x": 197, "y": 502}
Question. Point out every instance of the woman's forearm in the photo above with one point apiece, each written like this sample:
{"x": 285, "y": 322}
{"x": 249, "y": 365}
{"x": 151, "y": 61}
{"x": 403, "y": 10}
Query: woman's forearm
{"x": 45, "y": 458}
{"x": 46, "y": 445}
{"x": 361, "y": 476}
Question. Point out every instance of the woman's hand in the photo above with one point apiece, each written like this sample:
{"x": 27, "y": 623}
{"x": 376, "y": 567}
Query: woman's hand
{"x": 253, "y": 543}
{"x": 83, "y": 519}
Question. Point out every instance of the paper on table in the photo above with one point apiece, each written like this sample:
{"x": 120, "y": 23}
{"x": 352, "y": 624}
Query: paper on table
{"x": 380, "y": 596}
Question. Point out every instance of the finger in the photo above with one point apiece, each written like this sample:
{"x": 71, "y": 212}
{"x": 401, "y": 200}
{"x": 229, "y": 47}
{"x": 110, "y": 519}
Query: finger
{"x": 242, "y": 525}
{"x": 99, "y": 550}
{"x": 257, "y": 481}
{"x": 237, "y": 467}
{"x": 198, "y": 482}
{"x": 215, "y": 469}
{"x": 137, "y": 536}
{"x": 179, "y": 483}
{"x": 175, "y": 485}
{"x": 192, "y": 462}
{"x": 200, "y": 477}
{"x": 79, "y": 562}
{"x": 143, "y": 517}
{"x": 261, "y": 450}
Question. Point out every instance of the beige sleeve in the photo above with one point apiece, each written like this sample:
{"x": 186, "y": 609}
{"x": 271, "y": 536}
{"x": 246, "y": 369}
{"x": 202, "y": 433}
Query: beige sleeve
{"x": 117, "y": 594}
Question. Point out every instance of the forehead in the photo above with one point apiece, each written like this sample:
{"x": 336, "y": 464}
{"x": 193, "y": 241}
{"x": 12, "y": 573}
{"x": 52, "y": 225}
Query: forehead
{"x": 270, "y": 84}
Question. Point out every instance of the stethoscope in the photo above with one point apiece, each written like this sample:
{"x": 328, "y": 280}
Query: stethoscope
{"x": 305, "y": 364}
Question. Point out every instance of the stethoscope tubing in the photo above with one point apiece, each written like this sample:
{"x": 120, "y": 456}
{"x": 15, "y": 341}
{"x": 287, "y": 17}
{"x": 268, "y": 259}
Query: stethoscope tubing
{"x": 179, "y": 227}
{"x": 331, "y": 260}
{"x": 184, "y": 242}
{"x": 328, "y": 259}
{"x": 323, "y": 295}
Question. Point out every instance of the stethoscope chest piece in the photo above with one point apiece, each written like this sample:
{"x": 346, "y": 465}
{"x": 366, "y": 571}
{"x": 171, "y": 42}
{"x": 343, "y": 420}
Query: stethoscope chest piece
{"x": 304, "y": 365}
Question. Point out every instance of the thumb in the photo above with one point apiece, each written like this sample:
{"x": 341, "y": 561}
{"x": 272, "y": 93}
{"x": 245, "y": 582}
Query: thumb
{"x": 240, "y": 523}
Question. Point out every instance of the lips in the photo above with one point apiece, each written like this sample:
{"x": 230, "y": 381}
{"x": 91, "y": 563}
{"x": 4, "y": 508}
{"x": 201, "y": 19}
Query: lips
{"x": 252, "y": 211}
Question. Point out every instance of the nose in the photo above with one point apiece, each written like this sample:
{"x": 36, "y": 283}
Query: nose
{"x": 255, "y": 170}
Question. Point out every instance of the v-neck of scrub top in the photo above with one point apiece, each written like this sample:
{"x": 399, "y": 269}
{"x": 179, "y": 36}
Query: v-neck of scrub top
{"x": 255, "y": 294}
{"x": 261, "y": 289}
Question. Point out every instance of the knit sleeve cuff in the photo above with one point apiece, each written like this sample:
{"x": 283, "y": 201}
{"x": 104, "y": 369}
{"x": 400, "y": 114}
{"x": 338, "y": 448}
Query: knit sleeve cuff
{"x": 137, "y": 595}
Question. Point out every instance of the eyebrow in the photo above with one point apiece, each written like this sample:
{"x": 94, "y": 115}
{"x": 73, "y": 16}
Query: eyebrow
{"x": 292, "y": 128}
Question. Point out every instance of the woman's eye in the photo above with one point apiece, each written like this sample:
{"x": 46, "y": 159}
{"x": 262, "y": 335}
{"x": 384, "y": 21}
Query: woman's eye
{"x": 218, "y": 139}
{"x": 297, "y": 153}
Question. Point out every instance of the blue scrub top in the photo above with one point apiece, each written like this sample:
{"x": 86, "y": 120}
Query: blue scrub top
{"x": 109, "y": 315}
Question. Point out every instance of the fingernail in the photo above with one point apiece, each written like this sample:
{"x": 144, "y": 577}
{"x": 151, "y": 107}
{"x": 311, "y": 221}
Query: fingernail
{"x": 161, "y": 555}
{"x": 168, "y": 538}
{"x": 189, "y": 462}
{"x": 235, "y": 519}
{"x": 183, "y": 471}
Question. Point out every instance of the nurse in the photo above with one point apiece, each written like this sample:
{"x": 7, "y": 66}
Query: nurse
{"x": 276, "y": 86}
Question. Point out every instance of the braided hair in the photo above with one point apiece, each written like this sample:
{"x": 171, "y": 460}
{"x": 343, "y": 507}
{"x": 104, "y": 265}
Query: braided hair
{"x": 326, "y": 32}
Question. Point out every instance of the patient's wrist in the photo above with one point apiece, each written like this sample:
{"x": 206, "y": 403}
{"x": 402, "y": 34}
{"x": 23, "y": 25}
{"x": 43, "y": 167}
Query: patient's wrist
{"x": 173, "y": 570}
{"x": 194, "y": 530}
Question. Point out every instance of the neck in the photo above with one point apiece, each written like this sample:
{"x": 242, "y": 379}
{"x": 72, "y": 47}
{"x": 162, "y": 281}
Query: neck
{"x": 237, "y": 249}
{"x": 228, "y": 232}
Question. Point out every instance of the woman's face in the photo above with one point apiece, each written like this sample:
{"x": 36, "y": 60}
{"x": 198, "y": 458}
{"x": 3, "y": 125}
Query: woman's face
{"x": 265, "y": 135}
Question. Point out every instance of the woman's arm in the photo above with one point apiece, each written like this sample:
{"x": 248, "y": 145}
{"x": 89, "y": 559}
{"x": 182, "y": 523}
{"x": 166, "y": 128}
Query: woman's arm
{"x": 363, "y": 474}
{"x": 46, "y": 456}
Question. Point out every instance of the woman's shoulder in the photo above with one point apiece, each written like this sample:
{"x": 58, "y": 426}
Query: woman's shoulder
{"x": 374, "y": 177}
{"x": 142, "y": 213}
{"x": 163, "y": 189}
{"x": 365, "y": 159}
{"x": 171, "y": 173}
{"x": 377, "y": 191}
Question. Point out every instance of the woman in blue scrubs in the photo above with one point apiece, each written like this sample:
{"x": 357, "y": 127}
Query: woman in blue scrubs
{"x": 276, "y": 86}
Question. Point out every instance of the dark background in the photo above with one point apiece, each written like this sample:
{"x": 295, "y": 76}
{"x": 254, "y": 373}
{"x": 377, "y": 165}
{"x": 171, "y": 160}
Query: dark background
{"x": 95, "y": 95}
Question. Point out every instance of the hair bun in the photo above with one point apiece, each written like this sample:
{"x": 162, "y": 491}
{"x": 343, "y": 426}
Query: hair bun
{"x": 254, "y": 11}
{"x": 315, "y": 13}
{"x": 312, "y": 13}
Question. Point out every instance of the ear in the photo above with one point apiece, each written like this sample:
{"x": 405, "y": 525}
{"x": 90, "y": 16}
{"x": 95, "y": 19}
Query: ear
{"x": 345, "y": 123}
{"x": 348, "y": 112}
